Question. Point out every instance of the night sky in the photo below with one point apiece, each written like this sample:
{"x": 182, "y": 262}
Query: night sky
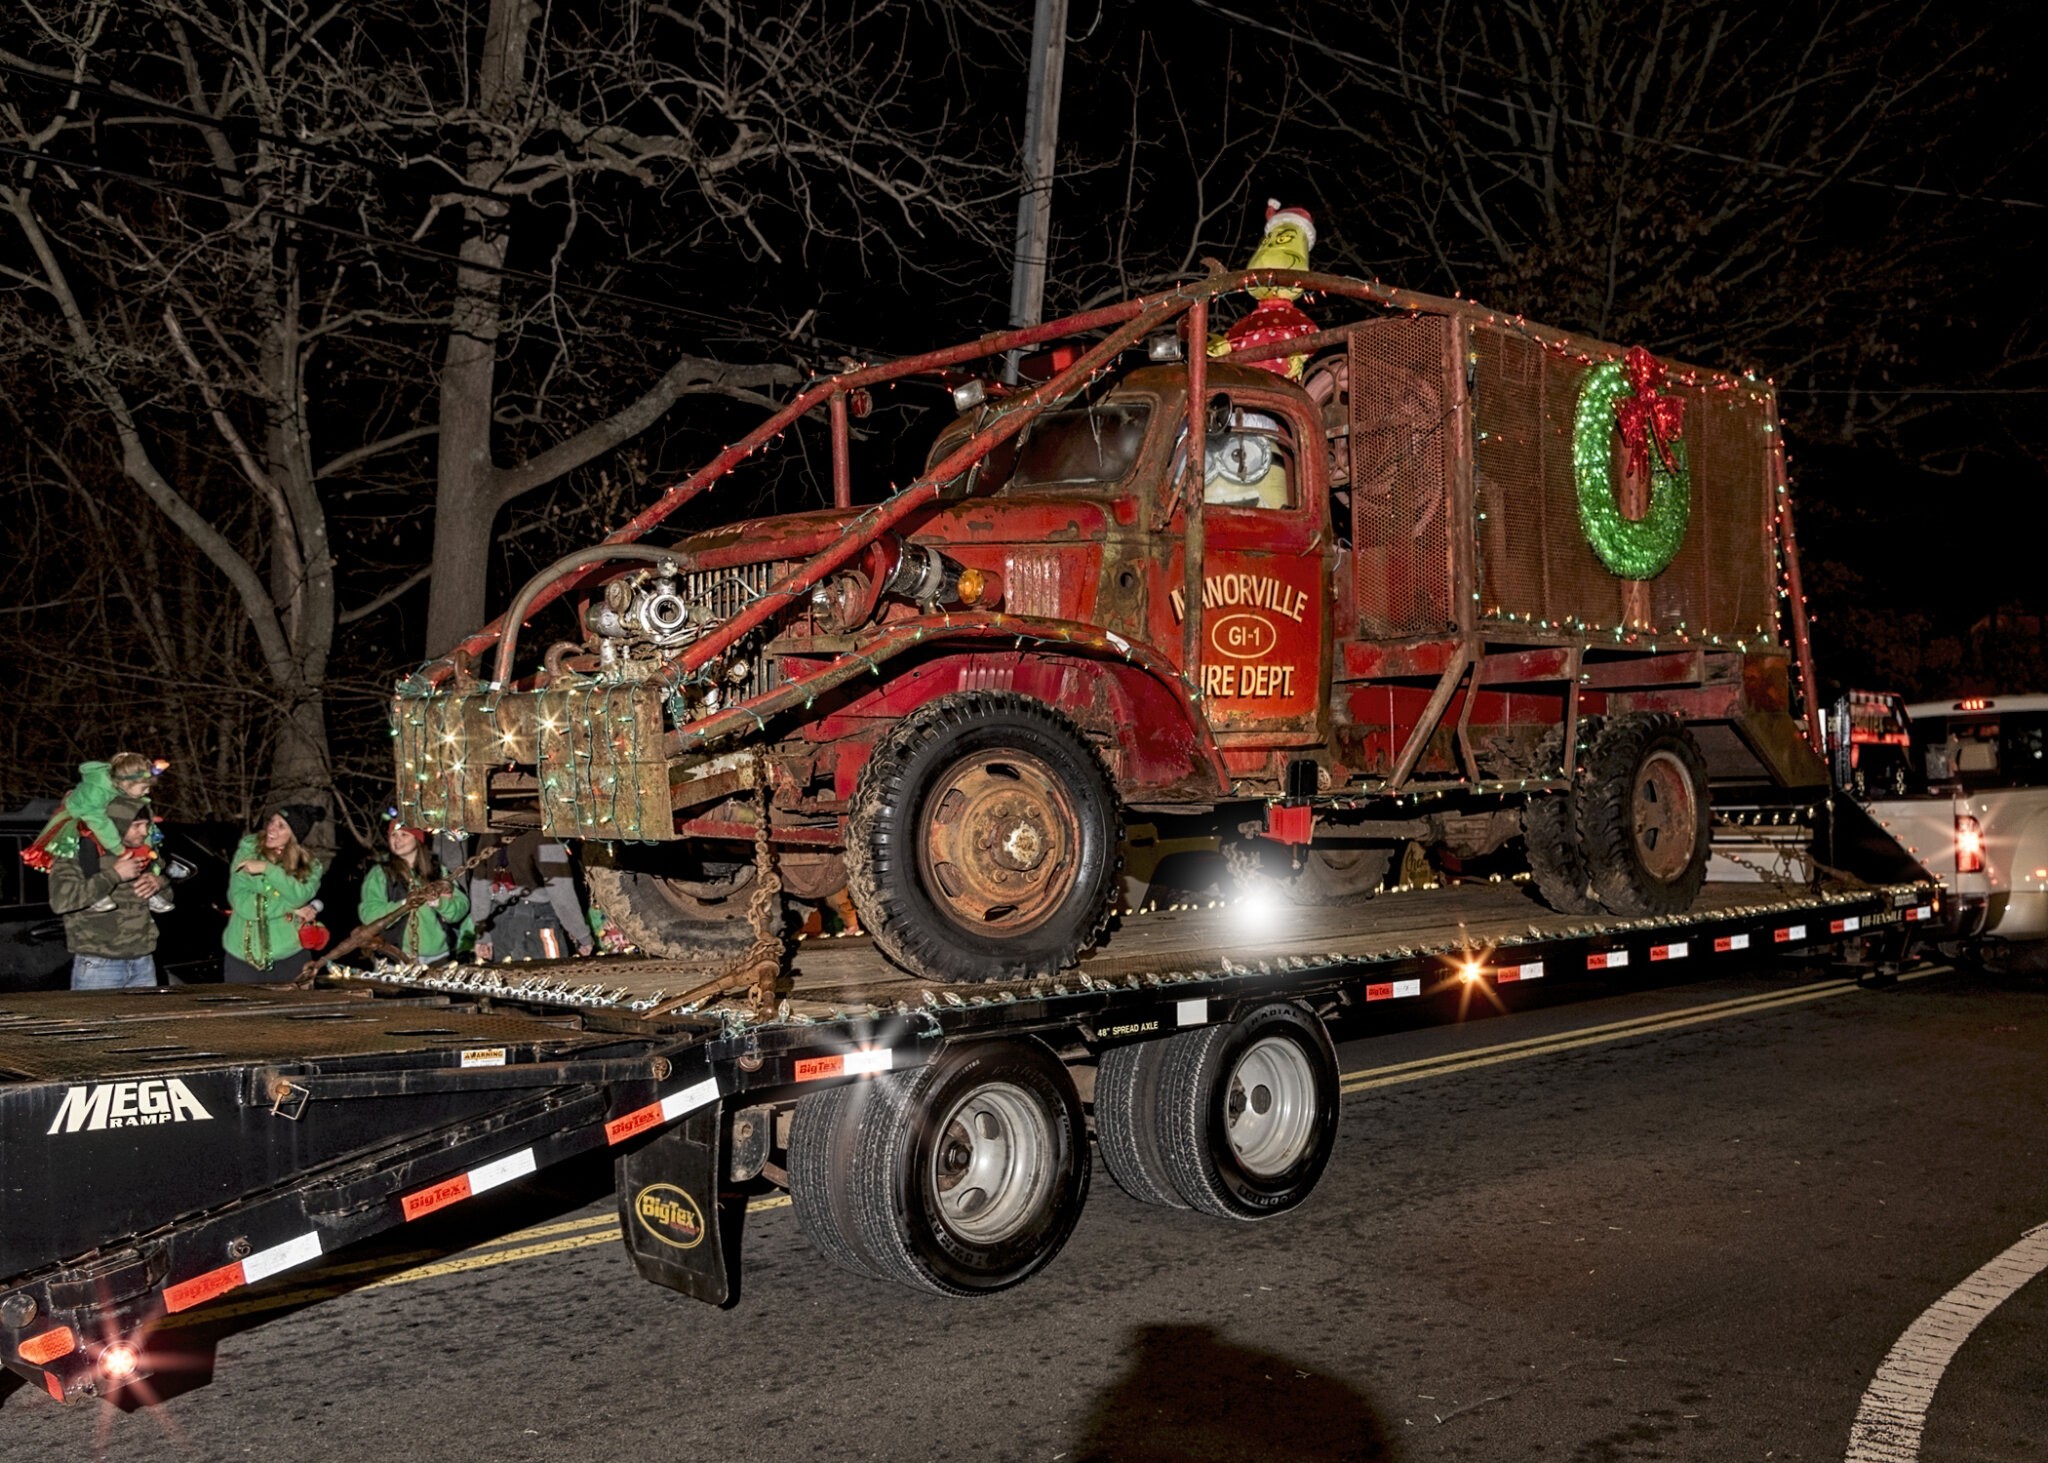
{"x": 1852, "y": 206}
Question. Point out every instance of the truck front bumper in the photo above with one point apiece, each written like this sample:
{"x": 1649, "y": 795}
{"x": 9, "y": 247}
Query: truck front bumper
{"x": 595, "y": 757}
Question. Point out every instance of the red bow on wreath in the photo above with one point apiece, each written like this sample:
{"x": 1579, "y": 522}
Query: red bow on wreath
{"x": 1647, "y": 416}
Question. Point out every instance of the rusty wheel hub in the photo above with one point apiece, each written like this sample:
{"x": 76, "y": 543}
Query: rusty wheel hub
{"x": 1000, "y": 842}
{"x": 1666, "y": 816}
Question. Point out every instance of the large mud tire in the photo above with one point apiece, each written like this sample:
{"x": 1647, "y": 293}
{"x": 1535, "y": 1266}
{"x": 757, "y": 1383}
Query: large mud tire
{"x": 1127, "y": 1122}
{"x": 1550, "y": 832}
{"x": 983, "y": 839}
{"x": 670, "y": 917}
{"x": 1248, "y": 1111}
{"x": 968, "y": 1175}
{"x": 1645, "y": 817}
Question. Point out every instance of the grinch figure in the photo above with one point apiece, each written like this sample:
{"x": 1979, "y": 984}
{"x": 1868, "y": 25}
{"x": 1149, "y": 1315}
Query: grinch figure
{"x": 1290, "y": 234}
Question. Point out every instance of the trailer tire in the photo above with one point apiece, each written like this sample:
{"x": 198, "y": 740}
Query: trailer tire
{"x": 670, "y": 917}
{"x": 1644, "y": 815}
{"x": 982, "y": 843}
{"x": 822, "y": 1135}
{"x": 1127, "y": 1122}
{"x": 969, "y": 1174}
{"x": 1550, "y": 834}
{"x": 1248, "y": 1111}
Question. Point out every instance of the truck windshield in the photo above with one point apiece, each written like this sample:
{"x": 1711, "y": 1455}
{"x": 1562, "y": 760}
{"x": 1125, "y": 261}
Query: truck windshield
{"x": 1065, "y": 449}
{"x": 2005, "y": 749}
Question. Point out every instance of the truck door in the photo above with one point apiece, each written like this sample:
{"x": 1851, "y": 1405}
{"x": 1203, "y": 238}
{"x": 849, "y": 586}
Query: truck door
{"x": 1265, "y": 573}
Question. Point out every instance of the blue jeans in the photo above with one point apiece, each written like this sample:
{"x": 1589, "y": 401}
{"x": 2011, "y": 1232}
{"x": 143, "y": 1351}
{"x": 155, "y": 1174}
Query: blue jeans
{"x": 109, "y": 973}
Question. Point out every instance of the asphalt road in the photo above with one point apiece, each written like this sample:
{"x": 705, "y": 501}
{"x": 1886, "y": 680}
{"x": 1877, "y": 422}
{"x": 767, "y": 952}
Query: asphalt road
{"x": 1685, "y": 1223}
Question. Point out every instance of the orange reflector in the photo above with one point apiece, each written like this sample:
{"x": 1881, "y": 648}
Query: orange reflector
{"x": 202, "y": 1288}
{"x": 426, "y": 1201}
{"x": 618, "y": 1130}
{"x": 46, "y": 1348}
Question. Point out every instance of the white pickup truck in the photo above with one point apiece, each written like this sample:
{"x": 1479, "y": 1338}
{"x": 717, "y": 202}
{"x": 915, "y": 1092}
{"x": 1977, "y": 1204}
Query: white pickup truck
{"x": 1964, "y": 791}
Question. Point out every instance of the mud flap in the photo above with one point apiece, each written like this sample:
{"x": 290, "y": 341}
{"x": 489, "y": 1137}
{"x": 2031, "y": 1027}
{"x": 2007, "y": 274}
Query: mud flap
{"x": 680, "y": 1229}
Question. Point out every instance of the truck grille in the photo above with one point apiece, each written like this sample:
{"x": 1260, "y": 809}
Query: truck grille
{"x": 726, "y": 592}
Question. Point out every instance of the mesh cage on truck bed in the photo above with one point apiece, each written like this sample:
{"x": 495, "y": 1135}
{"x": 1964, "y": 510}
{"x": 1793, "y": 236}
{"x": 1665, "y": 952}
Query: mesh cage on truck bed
{"x": 1482, "y": 504}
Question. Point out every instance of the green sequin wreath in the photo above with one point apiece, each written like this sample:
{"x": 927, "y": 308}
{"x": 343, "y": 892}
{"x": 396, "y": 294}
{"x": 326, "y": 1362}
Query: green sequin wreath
{"x": 1633, "y": 548}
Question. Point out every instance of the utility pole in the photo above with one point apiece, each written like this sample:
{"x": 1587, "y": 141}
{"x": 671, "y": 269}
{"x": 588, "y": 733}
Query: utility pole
{"x": 1041, "y": 144}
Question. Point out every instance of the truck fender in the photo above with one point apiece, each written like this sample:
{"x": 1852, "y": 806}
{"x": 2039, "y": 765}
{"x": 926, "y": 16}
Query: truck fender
{"x": 1121, "y": 688}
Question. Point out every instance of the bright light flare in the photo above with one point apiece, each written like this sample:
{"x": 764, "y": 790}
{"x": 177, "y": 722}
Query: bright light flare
{"x": 1259, "y": 915}
{"x": 1469, "y": 971}
{"x": 119, "y": 1362}
{"x": 1969, "y": 845}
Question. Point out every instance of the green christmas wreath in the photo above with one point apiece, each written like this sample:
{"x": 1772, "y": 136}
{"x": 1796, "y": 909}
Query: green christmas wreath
{"x": 1622, "y": 395}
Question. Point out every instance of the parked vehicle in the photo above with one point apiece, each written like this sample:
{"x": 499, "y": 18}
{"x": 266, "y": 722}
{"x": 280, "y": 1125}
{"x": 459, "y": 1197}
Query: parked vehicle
{"x": 1475, "y": 582}
{"x": 1967, "y": 797}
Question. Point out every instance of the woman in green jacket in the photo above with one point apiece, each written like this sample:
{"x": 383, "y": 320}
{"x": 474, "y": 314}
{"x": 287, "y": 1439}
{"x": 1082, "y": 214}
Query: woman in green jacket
{"x": 411, "y": 866}
{"x": 271, "y": 885}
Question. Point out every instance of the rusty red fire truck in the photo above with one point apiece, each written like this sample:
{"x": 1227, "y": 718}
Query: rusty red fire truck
{"x": 1469, "y": 581}
{"x": 1406, "y": 599}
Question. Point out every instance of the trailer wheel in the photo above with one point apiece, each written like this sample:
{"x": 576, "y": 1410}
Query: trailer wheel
{"x": 1644, "y": 815}
{"x": 675, "y": 918}
{"x": 822, "y": 1135}
{"x": 969, "y": 1174}
{"x": 983, "y": 841}
{"x": 1127, "y": 1122}
{"x": 1550, "y": 834}
{"x": 1248, "y": 1111}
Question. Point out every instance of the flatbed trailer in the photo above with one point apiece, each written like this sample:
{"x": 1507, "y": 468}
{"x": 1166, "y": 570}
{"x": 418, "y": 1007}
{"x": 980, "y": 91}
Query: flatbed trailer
{"x": 161, "y": 1149}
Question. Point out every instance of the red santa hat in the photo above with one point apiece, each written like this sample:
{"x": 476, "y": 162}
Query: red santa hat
{"x": 1277, "y": 217}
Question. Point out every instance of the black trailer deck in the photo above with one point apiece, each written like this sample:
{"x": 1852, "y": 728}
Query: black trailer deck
{"x": 161, "y": 1148}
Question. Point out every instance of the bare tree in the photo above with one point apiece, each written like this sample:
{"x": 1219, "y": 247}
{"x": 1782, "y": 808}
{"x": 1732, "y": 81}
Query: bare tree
{"x": 367, "y": 261}
{"x": 1748, "y": 185}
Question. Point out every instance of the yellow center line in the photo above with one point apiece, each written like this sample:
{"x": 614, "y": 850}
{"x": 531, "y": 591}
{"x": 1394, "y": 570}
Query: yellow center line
{"x": 1416, "y": 1071}
{"x": 1618, "y": 1028}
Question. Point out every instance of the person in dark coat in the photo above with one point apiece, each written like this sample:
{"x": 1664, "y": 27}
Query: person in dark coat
{"x": 108, "y": 898}
{"x": 522, "y": 899}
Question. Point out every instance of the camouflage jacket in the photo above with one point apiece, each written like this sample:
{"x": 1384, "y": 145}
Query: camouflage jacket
{"x": 102, "y": 915}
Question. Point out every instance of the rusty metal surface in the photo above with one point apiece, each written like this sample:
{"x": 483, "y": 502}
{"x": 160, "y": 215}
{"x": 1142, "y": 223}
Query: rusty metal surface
{"x": 1401, "y": 429}
{"x": 1535, "y": 563}
{"x": 79, "y": 1036}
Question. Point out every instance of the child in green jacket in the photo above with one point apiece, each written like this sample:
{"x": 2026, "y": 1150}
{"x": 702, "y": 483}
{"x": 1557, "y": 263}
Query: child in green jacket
{"x": 409, "y": 866}
{"x": 84, "y": 809}
{"x": 271, "y": 888}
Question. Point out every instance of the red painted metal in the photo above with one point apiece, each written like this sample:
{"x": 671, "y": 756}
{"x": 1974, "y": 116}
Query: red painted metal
{"x": 1795, "y": 592}
{"x": 842, "y": 454}
{"x": 1224, "y": 656}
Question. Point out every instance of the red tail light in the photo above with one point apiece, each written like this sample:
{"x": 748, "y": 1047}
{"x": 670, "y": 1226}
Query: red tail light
{"x": 1969, "y": 845}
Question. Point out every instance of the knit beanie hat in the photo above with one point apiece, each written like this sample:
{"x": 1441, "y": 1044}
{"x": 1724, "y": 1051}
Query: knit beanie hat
{"x": 300, "y": 818}
{"x": 123, "y": 810}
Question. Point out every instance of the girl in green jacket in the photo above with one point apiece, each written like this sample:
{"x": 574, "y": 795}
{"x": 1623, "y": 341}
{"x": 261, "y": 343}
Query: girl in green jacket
{"x": 410, "y": 866}
{"x": 271, "y": 885}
